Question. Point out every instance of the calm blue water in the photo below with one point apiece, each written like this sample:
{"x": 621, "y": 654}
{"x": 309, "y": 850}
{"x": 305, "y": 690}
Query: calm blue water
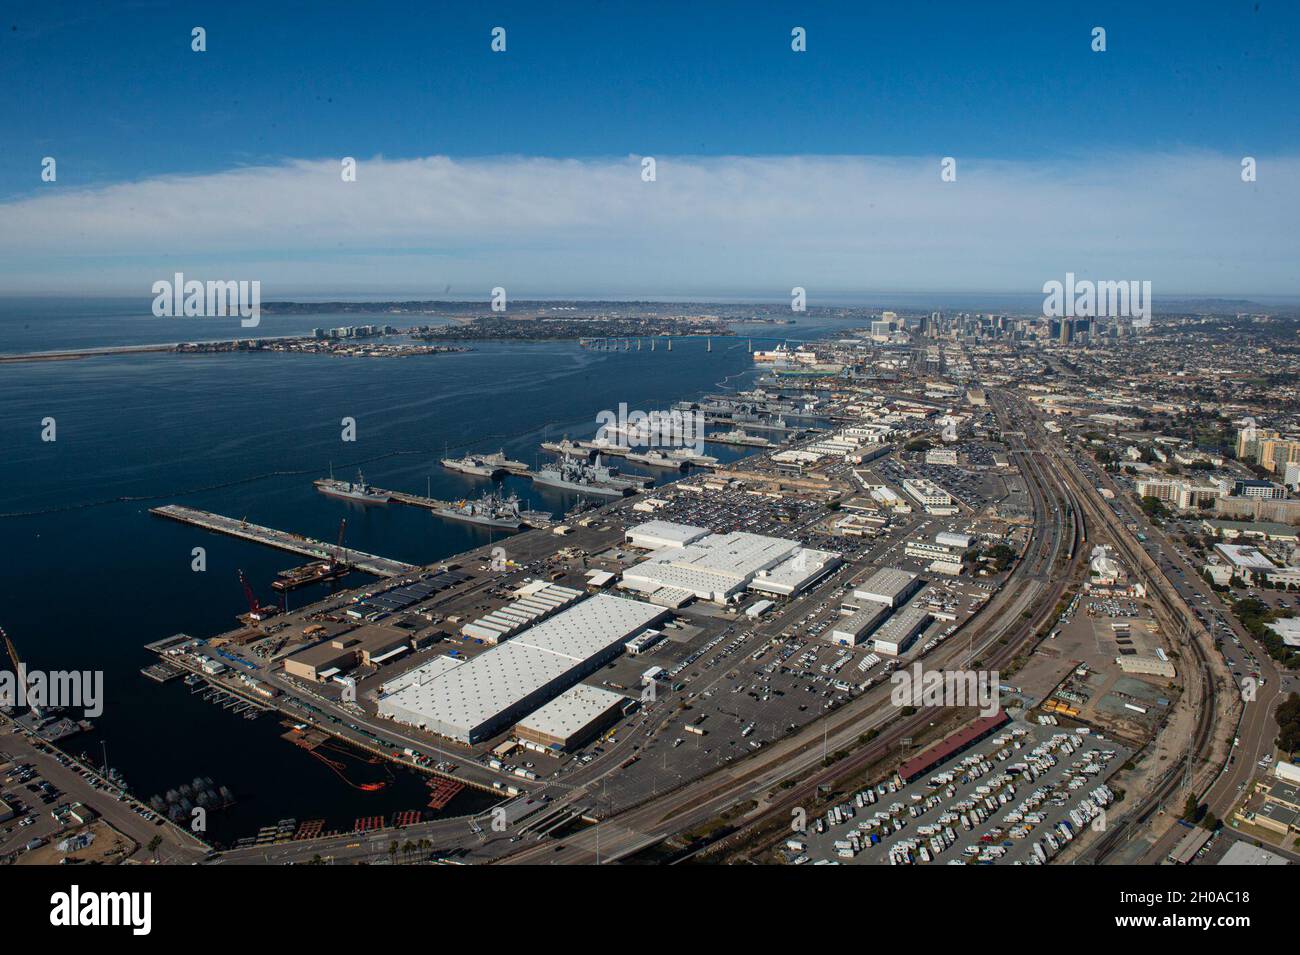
{"x": 89, "y": 578}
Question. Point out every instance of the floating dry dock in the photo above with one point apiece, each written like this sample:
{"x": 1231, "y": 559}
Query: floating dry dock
{"x": 284, "y": 540}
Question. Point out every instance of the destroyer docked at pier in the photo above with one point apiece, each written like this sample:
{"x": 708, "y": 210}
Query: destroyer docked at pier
{"x": 357, "y": 490}
{"x": 494, "y": 510}
{"x": 572, "y": 474}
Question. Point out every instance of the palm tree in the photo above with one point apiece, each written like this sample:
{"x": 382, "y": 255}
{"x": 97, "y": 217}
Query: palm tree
{"x": 154, "y": 845}
{"x": 392, "y": 851}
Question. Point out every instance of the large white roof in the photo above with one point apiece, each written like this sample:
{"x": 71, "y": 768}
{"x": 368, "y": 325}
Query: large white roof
{"x": 888, "y": 582}
{"x": 465, "y": 698}
{"x": 665, "y": 534}
{"x": 423, "y": 673}
{"x": 717, "y": 565}
{"x": 569, "y": 712}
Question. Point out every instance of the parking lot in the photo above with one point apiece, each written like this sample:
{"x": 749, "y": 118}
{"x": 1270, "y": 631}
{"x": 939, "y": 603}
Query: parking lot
{"x": 1018, "y": 797}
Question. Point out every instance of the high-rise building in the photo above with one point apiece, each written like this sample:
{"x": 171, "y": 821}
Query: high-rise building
{"x": 1276, "y": 453}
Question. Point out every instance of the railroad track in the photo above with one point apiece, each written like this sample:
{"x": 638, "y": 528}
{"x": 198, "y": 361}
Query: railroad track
{"x": 1138, "y": 559}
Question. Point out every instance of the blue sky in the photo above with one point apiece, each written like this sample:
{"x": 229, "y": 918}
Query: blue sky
{"x": 116, "y": 95}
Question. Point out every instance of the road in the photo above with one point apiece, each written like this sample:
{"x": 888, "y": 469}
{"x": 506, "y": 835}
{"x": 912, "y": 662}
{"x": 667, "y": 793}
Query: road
{"x": 178, "y": 846}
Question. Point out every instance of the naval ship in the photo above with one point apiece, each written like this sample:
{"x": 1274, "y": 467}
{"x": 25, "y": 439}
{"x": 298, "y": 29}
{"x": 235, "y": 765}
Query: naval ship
{"x": 490, "y": 510}
{"x": 738, "y": 436}
{"x": 658, "y": 459}
{"x": 498, "y": 459}
{"x": 485, "y": 465}
{"x": 571, "y": 474}
{"x": 690, "y": 457}
{"x": 357, "y": 490}
{"x": 475, "y": 465}
{"x": 579, "y": 449}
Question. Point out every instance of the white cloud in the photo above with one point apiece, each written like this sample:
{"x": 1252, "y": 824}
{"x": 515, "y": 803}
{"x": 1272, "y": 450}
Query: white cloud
{"x": 721, "y": 225}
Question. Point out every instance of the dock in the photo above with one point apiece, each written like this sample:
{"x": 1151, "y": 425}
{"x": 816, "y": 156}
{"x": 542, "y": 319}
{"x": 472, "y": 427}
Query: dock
{"x": 282, "y": 540}
{"x": 434, "y": 505}
{"x": 162, "y": 672}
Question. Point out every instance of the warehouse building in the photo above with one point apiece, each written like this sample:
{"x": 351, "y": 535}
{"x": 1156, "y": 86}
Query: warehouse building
{"x": 901, "y": 631}
{"x": 344, "y": 652}
{"x": 852, "y": 630}
{"x": 423, "y": 673}
{"x": 719, "y": 567}
{"x": 653, "y": 535}
{"x": 796, "y": 573}
{"x": 1243, "y": 853}
{"x": 1146, "y": 666}
{"x": 572, "y": 718}
{"x": 889, "y": 586}
{"x": 535, "y": 601}
{"x": 477, "y": 700}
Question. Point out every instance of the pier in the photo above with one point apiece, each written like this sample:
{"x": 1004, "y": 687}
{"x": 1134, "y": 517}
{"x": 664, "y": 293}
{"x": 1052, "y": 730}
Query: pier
{"x": 282, "y": 540}
{"x": 434, "y": 505}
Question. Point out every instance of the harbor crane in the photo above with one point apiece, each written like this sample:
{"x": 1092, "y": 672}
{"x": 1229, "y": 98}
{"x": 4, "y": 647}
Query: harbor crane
{"x": 255, "y": 610}
{"x": 19, "y": 675}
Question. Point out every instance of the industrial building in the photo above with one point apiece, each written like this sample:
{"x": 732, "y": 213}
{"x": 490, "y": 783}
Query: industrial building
{"x": 480, "y": 698}
{"x": 796, "y": 573}
{"x": 851, "y": 630}
{"x": 421, "y": 674}
{"x": 1146, "y": 666}
{"x": 889, "y": 586}
{"x": 345, "y": 651}
{"x": 572, "y": 718}
{"x": 719, "y": 567}
{"x": 642, "y": 642}
{"x": 653, "y": 535}
{"x": 535, "y": 601}
{"x": 901, "y": 630}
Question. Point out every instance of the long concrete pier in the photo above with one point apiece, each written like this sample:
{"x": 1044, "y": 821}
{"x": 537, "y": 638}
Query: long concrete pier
{"x": 283, "y": 540}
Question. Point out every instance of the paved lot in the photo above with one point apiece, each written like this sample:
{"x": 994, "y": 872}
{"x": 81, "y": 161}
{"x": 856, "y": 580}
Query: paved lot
{"x": 1034, "y": 775}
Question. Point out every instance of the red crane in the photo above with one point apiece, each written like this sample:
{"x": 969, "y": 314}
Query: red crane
{"x": 255, "y": 610}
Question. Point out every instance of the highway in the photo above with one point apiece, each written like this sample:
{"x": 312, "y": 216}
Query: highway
{"x": 1257, "y": 728}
